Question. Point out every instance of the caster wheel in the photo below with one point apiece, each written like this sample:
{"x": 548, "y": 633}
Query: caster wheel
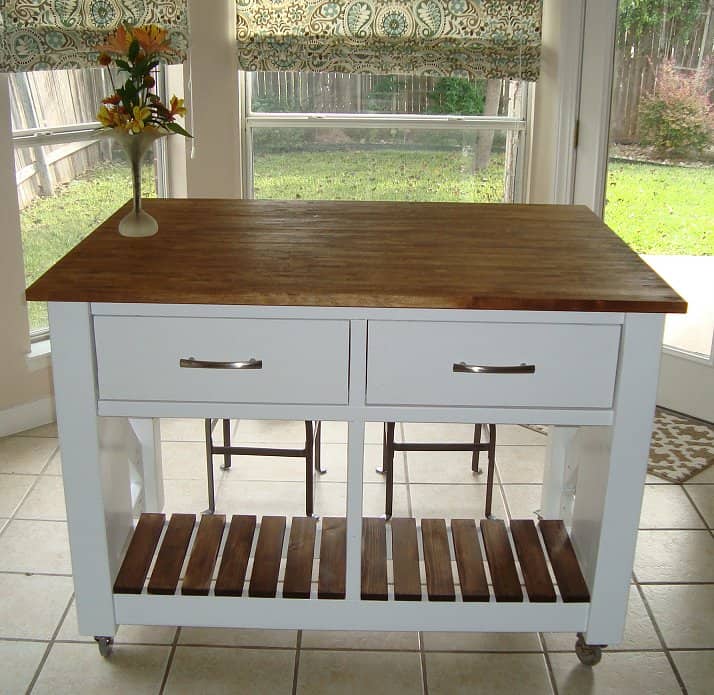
{"x": 589, "y": 654}
{"x": 105, "y": 645}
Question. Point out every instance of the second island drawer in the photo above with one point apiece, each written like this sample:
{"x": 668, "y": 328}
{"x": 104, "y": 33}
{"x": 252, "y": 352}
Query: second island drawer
{"x": 492, "y": 364}
{"x": 222, "y": 359}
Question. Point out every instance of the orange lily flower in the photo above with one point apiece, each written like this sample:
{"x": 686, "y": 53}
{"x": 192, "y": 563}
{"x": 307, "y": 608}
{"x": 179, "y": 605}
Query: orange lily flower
{"x": 118, "y": 42}
{"x": 152, "y": 38}
{"x": 177, "y": 107}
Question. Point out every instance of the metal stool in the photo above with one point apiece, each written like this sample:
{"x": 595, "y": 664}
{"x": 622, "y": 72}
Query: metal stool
{"x": 389, "y": 446}
{"x": 228, "y": 451}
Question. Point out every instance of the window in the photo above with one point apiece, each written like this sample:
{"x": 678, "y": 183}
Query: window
{"x": 68, "y": 179}
{"x": 370, "y": 137}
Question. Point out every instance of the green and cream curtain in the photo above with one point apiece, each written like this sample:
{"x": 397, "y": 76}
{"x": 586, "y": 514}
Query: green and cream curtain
{"x": 46, "y": 34}
{"x": 475, "y": 38}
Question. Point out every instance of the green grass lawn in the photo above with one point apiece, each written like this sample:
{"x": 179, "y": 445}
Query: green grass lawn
{"x": 655, "y": 209}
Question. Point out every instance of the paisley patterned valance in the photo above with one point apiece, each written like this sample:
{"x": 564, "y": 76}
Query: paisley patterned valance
{"x": 476, "y": 38}
{"x": 45, "y": 34}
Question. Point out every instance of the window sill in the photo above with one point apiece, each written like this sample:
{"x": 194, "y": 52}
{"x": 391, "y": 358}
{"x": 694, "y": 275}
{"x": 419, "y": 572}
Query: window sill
{"x": 40, "y": 355}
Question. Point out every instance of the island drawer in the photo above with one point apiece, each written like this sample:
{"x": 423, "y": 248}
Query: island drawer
{"x": 526, "y": 365}
{"x": 222, "y": 360}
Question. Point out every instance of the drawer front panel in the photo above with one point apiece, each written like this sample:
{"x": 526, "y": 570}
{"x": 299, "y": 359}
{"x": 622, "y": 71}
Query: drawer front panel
{"x": 138, "y": 358}
{"x": 412, "y": 363}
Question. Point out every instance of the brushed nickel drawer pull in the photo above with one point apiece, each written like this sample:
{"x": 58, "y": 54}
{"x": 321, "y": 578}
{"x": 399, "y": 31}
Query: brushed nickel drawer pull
{"x": 193, "y": 363}
{"x": 488, "y": 369}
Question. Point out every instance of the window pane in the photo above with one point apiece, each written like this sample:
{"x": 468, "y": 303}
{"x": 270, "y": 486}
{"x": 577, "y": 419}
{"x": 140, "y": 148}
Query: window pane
{"x": 384, "y": 164}
{"x": 52, "y": 98}
{"x": 296, "y": 92}
{"x": 64, "y": 192}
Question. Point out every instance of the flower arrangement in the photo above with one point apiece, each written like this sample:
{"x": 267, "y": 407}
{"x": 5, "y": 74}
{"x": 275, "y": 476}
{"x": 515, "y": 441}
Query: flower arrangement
{"x": 134, "y": 108}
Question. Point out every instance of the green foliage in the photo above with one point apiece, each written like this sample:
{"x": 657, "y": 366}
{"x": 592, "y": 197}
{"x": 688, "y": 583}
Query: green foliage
{"x": 677, "y": 117}
{"x": 457, "y": 96}
{"x": 641, "y": 16}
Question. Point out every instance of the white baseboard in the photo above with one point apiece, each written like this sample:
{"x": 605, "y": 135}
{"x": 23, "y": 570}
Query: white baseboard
{"x": 26, "y": 416}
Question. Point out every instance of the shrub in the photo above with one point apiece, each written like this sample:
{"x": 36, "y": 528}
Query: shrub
{"x": 677, "y": 117}
{"x": 458, "y": 96}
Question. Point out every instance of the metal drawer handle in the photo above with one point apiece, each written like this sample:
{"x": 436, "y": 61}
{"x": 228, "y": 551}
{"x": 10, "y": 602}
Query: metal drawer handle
{"x": 193, "y": 363}
{"x": 488, "y": 369}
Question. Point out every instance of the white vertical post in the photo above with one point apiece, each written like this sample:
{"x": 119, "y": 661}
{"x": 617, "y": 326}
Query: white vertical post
{"x": 94, "y": 469}
{"x": 557, "y": 491}
{"x": 148, "y": 433}
{"x": 611, "y": 477}
{"x": 355, "y": 459}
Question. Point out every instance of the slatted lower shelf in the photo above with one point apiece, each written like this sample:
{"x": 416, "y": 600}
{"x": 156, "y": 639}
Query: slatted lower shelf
{"x": 401, "y": 560}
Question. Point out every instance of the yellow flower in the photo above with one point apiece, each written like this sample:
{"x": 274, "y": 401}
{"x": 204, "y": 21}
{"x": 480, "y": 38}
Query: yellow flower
{"x": 177, "y": 107}
{"x": 151, "y": 38}
{"x": 105, "y": 117}
{"x": 140, "y": 115}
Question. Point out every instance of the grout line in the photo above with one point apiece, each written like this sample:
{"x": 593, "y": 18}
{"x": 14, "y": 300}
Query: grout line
{"x": 50, "y": 644}
{"x": 298, "y": 647}
{"x": 660, "y": 637}
{"x": 548, "y": 664}
{"x": 170, "y": 661}
{"x": 405, "y": 466}
{"x": 422, "y": 662}
{"x": 696, "y": 508}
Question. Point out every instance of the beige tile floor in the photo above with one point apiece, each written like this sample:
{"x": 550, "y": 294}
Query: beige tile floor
{"x": 668, "y": 645}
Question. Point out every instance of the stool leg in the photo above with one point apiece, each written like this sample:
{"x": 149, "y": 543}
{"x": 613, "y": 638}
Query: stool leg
{"x": 491, "y": 467}
{"x": 318, "y": 448}
{"x": 226, "y": 443}
{"x": 209, "y": 467}
{"x": 388, "y": 468}
{"x": 309, "y": 479}
{"x": 477, "y": 448}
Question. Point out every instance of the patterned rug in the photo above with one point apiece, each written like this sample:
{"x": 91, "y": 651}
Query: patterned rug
{"x": 680, "y": 447}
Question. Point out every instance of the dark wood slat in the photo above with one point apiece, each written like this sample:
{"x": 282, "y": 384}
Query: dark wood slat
{"x": 236, "y": 553}
{"x": 172, "y": 552}
{"x": 437, "y": 559}
{"x": 374, "y": 559}
{"x": 301, "y": 551}
{"x": 133, "y": 571}
{"x": 506, "y": 585}
{"x": 333, "y": 549}
{"x": 469, "y": 560}
{"x": 405, "y": 559}
{"x": 533, "y": 565}
{"x": 266, "y": 563}
{"x": 566, "y": 567}
{"x": 204, "y": 552}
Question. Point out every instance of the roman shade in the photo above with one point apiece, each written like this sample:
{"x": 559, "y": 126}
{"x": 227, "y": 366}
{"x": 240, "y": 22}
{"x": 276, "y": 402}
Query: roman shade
{"x": 46, "y": 34}
{"x": 473, "y": 38}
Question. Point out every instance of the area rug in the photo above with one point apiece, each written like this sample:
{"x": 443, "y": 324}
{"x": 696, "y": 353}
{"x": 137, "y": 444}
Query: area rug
{"x": 680, "y": 447}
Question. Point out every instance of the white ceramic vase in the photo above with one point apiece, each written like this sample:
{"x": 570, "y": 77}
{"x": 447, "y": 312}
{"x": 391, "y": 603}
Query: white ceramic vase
{"x": 138, "y": 223}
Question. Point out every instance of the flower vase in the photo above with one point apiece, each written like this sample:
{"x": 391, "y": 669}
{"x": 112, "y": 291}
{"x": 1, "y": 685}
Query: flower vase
{"x": 138, "y": 223}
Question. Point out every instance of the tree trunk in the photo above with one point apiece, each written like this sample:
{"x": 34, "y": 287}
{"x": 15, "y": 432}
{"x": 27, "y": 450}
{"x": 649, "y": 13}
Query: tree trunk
{"x": 485, "y": 138}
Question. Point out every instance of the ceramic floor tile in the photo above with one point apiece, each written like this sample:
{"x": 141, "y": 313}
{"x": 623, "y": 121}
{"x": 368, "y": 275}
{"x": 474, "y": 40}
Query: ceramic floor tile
{"x": 12, "y": 489}
{"x": 231, "y": 671}
{"x": 495, "y": 674}
{"x": 453, "y": 501}
{"x": 654, "y": 480}
{"x": 363, "y": 640}
{"x": 684, "y": 614}
{"x": 31, "y": 605}
{"x": 279, "y": 498}
{"x": 126, "y": 634}
{"x": 445, "y": 467}
{"x": 667, "y": 506}
{"x": 703, "y": 496}
{"x": 334, "y": 432}
{"x": 518, "y": 435}
{"x": 78, "y": 668}
{"x": 237, "y": 637}
{"x": 357, "y": 672}
{"x": 185, "y": 460}
{"x": 18, "y": 663}
{"x": 277, "y": 432}
{"x": 639, "y": 631}
{"x": 26, "y": 455}
{"x": 182, "y": 430}
{"x": 185, "y": 496}
{"x": 674, "y": 556}
{"x": 54, "y": 467}
{"x": 436, "y": 432}
{"x": 696, "y": 670}
{"x": 482, "y": 642}
{"x": 643, "y": 673}
{"x": 46, "y": 501}
{"x": 49, "y": 431}
{"x": 523, "y": 500}
{"x": 35, "y": 546}
{"x": 520, "y": 464}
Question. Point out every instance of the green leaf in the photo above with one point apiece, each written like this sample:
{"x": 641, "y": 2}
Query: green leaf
{"x": 123, "y": 65}
{"x": 133, "y": 50}
{"x": 176, "y": 128}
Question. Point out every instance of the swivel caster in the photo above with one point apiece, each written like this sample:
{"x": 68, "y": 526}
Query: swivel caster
{"x": 589, "y": 654}
{"x": 105, "y": 645}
